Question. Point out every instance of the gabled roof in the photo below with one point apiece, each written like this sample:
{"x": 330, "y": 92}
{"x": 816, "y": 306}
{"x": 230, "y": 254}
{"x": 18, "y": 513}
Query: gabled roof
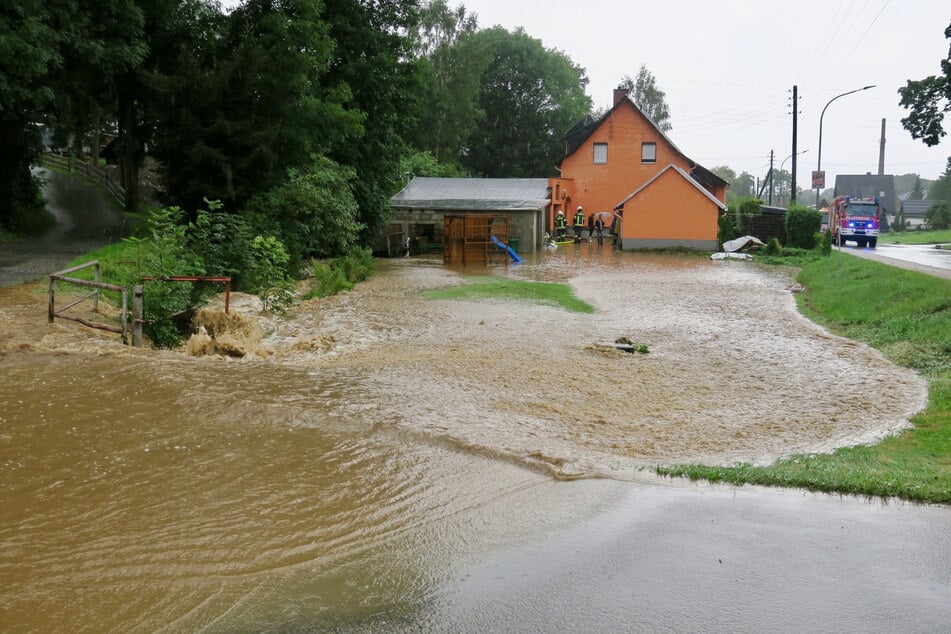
{"x": 579, "y": 133}
{"x": 917, "y": 208}
{"x": 687, "y": 177}
{"x": 473, "y": 194}
{"x": 868, "y": 186}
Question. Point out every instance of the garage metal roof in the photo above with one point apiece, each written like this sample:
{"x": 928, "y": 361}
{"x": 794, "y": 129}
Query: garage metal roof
{"x": 473, "y": 194}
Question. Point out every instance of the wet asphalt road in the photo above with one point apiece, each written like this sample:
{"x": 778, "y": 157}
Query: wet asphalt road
{"x": 704, "y": 558}
{"x": 925, "y": 258}
{"x": 86, "y": 220}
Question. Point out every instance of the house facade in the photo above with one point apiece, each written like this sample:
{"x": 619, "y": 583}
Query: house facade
{"x": 623, "y": 164}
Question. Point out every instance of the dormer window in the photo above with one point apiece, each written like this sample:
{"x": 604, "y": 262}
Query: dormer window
{"x": 648, "y": 152}
{"x": 600, "y": 153}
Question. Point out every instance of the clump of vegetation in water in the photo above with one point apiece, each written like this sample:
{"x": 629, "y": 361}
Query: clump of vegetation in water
{"x": 634, "y": 346}
{"x": 546, "y": 293}
{"x": 341, "y": 274}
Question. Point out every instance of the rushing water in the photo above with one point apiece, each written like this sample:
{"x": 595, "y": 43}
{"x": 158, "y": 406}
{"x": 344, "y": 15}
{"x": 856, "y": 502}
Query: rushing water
{"x": 376, "y": 439}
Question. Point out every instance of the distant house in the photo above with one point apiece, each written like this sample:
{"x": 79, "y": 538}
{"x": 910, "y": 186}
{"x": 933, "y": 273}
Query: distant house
{"x": 622, "y": 163}
{"x": 913, "y": 212}
{"x": 421, "y": 207}
{"x": 869, "y": 186}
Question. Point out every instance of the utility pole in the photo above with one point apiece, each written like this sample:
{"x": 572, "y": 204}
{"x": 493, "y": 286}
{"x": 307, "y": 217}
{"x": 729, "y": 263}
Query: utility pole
{"x": 881, "y": 152}
{"x": 795, "y": 120}
{"x": 771, "y": 178}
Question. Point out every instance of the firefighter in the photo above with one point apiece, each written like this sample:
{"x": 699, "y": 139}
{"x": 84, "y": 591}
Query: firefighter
{"x": 579, "y": 223}
{"x": 561, "y": 226}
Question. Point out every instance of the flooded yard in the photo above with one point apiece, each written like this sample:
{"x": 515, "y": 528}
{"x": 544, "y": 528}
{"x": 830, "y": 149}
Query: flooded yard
{"x": 372, "y": 442}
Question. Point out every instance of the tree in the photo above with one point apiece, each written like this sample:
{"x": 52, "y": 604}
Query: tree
{"x": 938, "y": 215}
{"x": 530, "y": 96}
{"x": 373, "y": 59}
{"x": 450, "y": 68}
{"x": 648, "y": 97}
{"x": 941, "y": 189}
{"x": 739, "y": 187}
{"x": 56, "y": 56}
{"x": 245, "y": 106}
{"x": 928, "y": 100}
{"x": 917, "y": 191}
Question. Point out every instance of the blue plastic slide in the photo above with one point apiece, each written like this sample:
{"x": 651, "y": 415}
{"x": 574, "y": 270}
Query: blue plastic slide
{"x": 502, "y": 245}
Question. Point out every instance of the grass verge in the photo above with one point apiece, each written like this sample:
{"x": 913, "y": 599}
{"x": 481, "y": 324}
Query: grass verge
{"x": 907, "y": 316}
{"x": 916, "y": 237}
{"x": 546, "y": 293}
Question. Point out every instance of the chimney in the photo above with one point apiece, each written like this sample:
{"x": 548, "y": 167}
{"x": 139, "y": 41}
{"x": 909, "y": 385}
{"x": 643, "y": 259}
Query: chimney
{"x": 619, "y": 94}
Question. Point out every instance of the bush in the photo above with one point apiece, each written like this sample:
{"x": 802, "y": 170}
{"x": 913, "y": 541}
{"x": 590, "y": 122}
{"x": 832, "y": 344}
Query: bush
{"x": 224, "y": 244}
{"x": 938, "y": 216}
{"x": 802, "y": 225}
{"x": 773, "y": 247}
{"x": 726, "y": 224}
{"x": 269, "y": 270}
{"x": 341, "y": 274}
{"x": 824, "y": 242}
{"x": 314, "y": 212}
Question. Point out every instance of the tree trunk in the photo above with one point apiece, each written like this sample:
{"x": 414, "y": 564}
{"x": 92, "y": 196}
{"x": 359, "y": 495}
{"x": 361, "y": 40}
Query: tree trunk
{"x": 128, "y": 161}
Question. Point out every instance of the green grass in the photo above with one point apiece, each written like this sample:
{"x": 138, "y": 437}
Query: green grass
{"x": 906, "y": 315}
{"x": 547, "y": 293}
{"x": 916, "y": 237}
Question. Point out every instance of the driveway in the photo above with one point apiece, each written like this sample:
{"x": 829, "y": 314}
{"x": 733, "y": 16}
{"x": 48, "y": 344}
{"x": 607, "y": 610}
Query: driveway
{"x": 86, "y": 219}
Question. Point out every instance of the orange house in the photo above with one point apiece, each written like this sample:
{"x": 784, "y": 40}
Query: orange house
{"x": 623, "y": 164}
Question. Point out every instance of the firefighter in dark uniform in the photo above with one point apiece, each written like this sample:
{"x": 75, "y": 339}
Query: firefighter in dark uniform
{"x": 561, "y": 226}
{"x": 579, "y": 224}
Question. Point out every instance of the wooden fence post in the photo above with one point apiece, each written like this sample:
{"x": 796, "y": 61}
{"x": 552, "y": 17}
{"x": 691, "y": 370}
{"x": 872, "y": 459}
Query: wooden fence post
{"x": 52, "y": 312}
{"x": 137, "y": 316}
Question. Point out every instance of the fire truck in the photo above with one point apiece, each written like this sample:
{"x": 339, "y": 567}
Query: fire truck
{"x": 856, "y": 219}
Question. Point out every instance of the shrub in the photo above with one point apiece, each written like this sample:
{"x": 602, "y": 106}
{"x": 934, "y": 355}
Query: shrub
{"x": 802, "y": 224}
{"x": 773, "y": 247}
{"x": 726, "y": 230}
{"x": 269, "y": 270}
{"x": 824, "y": 242}
{"x": 341, "y": 274}
{"x": 164, "y": 253}
{"x": 938, "y": 216}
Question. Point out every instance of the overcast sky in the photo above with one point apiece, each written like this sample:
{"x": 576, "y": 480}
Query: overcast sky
{"x": 728, "y": 69}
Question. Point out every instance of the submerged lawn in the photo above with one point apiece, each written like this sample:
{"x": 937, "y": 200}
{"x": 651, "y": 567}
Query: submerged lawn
{"x": 906, "y": 315}
{"x": 546, "y": 293}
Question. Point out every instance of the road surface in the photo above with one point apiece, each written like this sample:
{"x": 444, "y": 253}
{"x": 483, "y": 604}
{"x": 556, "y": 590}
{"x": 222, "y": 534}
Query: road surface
{"x": 925, "y": 258}
{"x": 86, "y": 219}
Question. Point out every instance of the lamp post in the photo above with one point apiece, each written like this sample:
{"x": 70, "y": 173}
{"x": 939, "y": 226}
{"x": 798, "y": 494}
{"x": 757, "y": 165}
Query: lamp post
{"x": 819, "y": 158}
{"x": 781, "y": 165}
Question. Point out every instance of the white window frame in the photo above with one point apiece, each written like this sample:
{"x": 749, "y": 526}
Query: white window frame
{"x": 602, "y": 157}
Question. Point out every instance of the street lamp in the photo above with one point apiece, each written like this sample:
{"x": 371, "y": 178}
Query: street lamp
{"x": 819, "y": 158}
{"x": 781, "y": 165}
{"x": 789, "y": 157}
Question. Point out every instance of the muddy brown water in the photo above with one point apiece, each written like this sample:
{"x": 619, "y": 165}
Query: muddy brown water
{"x": 369, "y": 442}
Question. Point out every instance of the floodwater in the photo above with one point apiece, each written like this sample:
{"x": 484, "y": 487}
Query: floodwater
{"x": 370, "y": 446}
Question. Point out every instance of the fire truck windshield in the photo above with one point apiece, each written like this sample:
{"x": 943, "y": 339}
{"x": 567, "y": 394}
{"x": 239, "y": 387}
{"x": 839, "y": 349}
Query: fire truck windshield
{"x": 867, "y": 211}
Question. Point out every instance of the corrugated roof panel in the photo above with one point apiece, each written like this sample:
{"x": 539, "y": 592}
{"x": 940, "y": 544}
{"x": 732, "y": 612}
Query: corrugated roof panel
{"x": 425, "y": 192}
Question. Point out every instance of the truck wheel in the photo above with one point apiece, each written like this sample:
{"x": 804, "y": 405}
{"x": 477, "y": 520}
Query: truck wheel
{"x": 872, "y": 242}
{"x": 841, "y": 240}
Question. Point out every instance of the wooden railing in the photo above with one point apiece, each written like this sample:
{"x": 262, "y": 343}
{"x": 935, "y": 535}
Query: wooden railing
{"x": 91, "y": 172}
{"x": 96, "y": 284}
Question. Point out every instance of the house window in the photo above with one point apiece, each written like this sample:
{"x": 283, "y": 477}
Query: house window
{"x": 600, "y": 153}
{"x": 648, "y": 152}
